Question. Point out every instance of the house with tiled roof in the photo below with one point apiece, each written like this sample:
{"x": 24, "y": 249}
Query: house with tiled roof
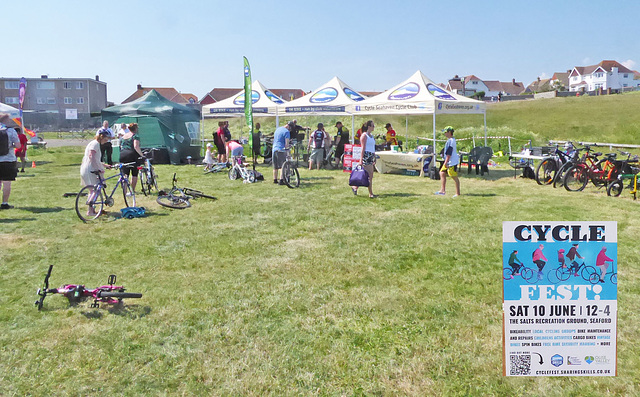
{"x": 218, "y": 94}
{"x": 607, "y": 74}
{"x": 539, "y": 85}
{"x": 561, "y": 79}
{"x": 168, "y": 93}
{"x": 491, "y": 88}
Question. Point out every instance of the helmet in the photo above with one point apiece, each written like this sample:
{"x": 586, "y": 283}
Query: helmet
{"x": 448, "y": 129}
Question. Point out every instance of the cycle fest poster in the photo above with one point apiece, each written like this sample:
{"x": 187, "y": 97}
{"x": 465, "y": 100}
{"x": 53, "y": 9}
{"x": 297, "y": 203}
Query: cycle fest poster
{"x": 560, "y": 321}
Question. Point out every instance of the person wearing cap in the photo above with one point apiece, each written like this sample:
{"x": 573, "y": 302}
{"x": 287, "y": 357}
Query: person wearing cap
{"x": 450, "y": 164}
{"x": 391, "y": 136}
{"x": 8, "y": 161}
{"x": 341, "y": 140}
{"x": 317, "y": 142}
{"x": 281, "y": 138}
{"x": 106, "y": 149}
{"x": 208, "y": 158}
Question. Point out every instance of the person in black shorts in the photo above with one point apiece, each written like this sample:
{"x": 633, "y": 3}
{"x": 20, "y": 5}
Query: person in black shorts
{"x": 8, "y": 164}
{"x": 130, "y": 152}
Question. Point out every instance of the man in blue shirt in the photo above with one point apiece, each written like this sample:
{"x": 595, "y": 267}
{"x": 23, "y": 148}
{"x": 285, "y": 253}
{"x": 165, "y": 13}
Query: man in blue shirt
{"x": 280, "y": 145}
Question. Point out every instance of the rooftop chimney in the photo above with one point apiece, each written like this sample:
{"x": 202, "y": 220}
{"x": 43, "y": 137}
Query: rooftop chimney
{"x": 139, "y": 86}
{"x": 44, "y": 76}
{"x": 514, "y": 81}
{"x": 97, "y": 78}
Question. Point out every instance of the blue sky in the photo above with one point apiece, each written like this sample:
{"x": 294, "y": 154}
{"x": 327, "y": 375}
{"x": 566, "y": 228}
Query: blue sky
{"x": 196, "y": 45}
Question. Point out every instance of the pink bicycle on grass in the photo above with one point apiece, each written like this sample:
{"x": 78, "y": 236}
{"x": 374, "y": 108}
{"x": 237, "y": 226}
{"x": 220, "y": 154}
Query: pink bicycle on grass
{"x": 110, "y": 294}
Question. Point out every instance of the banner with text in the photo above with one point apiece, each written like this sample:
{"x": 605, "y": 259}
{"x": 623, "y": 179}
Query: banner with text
{"x": 560, "y": 298}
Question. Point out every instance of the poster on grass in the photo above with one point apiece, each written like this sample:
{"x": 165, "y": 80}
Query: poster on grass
{"x": 560, "y": 290}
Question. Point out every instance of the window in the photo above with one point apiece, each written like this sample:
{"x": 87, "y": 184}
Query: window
{"x": 80, "y": 100}
{"x": 66, "y": 85}
{"x": 41, "y": 101}
{"x": 624, "y": 75}
{"x": 598, "y": 86}
{"x": 46, "y": 85}
{"x": 598, "y": 75}
{"x": 11, "y": 85}
{"x": 193, "y": 128}
{"x": 79, "y": 85}
{"x": 51, "y": 101}
{"x": 68, "y": 100}
{"x": 11, "y": 100}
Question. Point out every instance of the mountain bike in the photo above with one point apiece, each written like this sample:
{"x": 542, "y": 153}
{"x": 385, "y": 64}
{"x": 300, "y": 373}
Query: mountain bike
{"x": 110, "y": 294}
{"x": 92, "y": 207}
{"x": 549, "y": 166}
{"x": 148, "y": 177}
{"x": 290, "y": 174}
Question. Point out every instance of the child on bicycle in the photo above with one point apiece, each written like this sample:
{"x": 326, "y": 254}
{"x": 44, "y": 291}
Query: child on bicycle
{"x": 515, "y": 263}
{"x": 561, "y": 259}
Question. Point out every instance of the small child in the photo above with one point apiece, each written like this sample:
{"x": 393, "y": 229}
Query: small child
{"x": 208, "y": 158}
{"x": 561, "y": 258}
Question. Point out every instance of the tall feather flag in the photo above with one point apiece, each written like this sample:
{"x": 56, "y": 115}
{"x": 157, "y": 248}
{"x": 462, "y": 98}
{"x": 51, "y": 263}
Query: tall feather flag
{"x": 22, "y": 89}
{"x": 248, "y": 99}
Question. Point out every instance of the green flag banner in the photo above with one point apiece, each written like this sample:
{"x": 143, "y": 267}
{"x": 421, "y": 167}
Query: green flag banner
{"x": 248, "y": 98}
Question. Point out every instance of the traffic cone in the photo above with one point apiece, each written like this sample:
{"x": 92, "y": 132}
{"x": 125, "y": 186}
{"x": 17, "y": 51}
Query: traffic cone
{"x": 33, "y": 164}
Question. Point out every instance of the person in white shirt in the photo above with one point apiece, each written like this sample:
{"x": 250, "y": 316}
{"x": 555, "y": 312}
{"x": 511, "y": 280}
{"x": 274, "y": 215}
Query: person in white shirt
{"x": 8, "y": 168}
{"x": 450, "y": 164}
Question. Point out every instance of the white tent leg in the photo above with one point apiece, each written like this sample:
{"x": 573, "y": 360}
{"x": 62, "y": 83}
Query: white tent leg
{"x": 485, "y": 128}
{"x": 352, "y": 134}
{"x": 406, "y": 130}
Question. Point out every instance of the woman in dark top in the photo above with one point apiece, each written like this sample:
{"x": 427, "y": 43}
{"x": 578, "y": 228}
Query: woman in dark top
{"x": 130, "y": 152}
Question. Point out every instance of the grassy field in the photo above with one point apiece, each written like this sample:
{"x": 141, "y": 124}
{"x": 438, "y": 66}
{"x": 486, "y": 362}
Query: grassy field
{"x": 274, "y": 291}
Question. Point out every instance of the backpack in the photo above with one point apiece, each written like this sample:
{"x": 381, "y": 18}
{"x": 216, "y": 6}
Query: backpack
{"x": 528, "y": 172}
{"x": 318, "y": 139}
{"x": 4, "y": 142}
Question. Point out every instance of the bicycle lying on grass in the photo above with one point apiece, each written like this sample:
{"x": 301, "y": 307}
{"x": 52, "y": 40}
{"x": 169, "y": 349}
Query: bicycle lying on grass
{"x": 92, "y": 207}
{"x": 110, "y": 294}
{"x": 217, "y": 167}
{"x": 178, "y": 198}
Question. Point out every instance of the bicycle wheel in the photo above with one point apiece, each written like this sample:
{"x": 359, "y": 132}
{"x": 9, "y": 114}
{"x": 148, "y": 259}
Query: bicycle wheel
{"x": 171, "y": 201}
{"x": 563, "y": 273}
{"x": 559, "y": 178}
{"x": 507, "y": 273}
{"x": 587, "y": 271}
{"x": 291, "y": 176}
{"x": 119, "y": 295}
{"x": 575, "y": 179}
{"x": 233, "y": 173}
{"x": 615, "y": 188}
{"x": 83, "y": 205}
{"x": 594, "y": 278}
{"x": 153, "y": 180}
{"x": 614, "y": 278}
{"x": 128, "y": 194}
{"x": 552, "y": 276}
{"x": 529, "y": 275}
{"x": 145, "y": 186}
{"x": 546, "y": 171}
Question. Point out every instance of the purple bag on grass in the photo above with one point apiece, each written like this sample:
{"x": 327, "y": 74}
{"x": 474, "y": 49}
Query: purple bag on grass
{"x": 359, "y": 177}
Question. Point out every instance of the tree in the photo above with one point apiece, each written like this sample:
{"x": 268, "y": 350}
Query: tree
{"x": 478, "y": 95}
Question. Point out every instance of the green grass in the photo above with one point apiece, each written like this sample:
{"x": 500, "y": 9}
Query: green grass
{"x": 273, "y": 291}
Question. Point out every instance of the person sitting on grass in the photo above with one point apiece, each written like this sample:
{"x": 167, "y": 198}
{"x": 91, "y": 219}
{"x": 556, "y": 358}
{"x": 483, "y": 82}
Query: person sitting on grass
{"x": 515, "y": 263}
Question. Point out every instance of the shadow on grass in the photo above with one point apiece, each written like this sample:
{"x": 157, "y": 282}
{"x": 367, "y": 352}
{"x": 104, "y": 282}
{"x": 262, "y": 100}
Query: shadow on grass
{"x": 480, "y": 194}
{"x": 16, "y": 220}
{"x": 130, "y": 311}
{"x": 384, "y": 195}
{"x": 313, "y": 178}
{"x": 25, "y": 176}
{"x": 71, "y": 165}
{"x": 493, "y": 174}
{"x": 44, "y": 210}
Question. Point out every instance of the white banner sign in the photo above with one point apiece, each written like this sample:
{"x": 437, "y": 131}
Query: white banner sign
{"x": 71, "y": 114}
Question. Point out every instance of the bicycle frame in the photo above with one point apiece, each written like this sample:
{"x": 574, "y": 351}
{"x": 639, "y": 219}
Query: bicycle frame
{"x": 102, "y": 185}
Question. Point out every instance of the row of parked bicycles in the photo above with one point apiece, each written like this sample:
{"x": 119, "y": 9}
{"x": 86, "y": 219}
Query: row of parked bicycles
{"x": 576, "y": 167}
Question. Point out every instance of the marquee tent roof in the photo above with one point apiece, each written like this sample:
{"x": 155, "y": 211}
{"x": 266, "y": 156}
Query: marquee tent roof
{"x": 333, "y": 97}
{"x": 13, "y": 112}
{"x": 265, "y": 103}
{"x": 417, "y": 95}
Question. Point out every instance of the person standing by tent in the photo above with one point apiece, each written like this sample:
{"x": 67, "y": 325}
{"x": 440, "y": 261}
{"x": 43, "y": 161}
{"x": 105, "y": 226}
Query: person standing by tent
{"x": 227, "y": 132}
{"x": 367, "y": 155}
{"x": 450, "y": 164}
{"x": 391, "y": 136}
{"x": 281, "y": 138}
{"x": 342, "y": 139}
{"x": 362, "y": 129}
{"x": 22, "y": 152}
{"x": 106, "y": 149}
{"x": 220, "y": 142}
{"x": 8, "y": 171}
{"x": 130, "y": 152}
{"x": 317, "y": 142}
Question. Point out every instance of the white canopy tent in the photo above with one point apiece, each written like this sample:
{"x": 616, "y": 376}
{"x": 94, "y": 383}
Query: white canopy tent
{"x": 419, "y": 95}
{"x": 265, "y": 103}
{"x": 11, "y": 111}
